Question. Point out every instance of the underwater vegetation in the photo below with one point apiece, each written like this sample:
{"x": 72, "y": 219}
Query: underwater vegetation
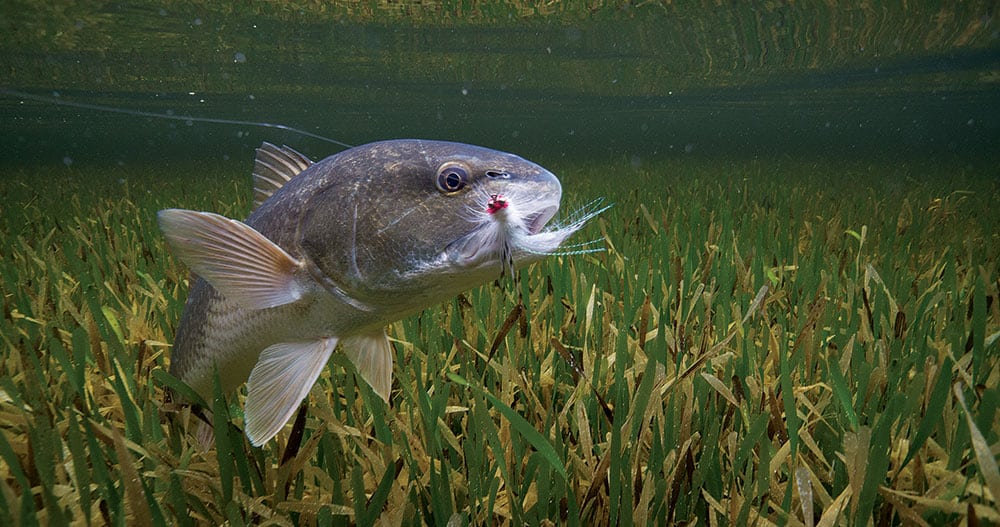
{"x": 765, "y": 343}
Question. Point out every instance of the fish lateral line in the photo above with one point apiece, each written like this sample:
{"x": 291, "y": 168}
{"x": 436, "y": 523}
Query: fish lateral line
{"x": 56, "y": 100}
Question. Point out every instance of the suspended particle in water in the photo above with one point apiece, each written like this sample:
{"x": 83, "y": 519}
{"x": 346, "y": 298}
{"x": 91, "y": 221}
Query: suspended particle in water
{"x": 239, "y": 58}
{"x": 67, "y": 161}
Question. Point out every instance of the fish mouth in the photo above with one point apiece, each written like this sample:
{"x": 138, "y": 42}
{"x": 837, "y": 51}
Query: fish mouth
{"x": 528, "y": 238}
{"x": 491, "y": 238}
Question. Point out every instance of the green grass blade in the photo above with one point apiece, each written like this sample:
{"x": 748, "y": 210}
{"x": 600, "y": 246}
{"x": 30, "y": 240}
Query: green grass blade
{"x": 521, "y": 425}
{"x": 225, "y": 444}
{"x": 843, "y": 393}
{"x": 378, "y": 499}
{"x": 168, "y": 381}
{"x": 932, "y": 415}
{"x": 788, "y": 400}
{"x": 984, "y": 455}
{"x": 27, "y": 505}
{"x": 978, "y": 336}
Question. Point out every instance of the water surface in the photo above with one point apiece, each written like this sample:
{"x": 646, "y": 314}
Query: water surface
{"x": 625, "y": 84}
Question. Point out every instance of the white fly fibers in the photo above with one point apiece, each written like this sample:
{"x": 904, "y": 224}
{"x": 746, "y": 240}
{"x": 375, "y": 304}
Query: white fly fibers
{"x": 512, "y": 227}
{"x": 546, "y": 241}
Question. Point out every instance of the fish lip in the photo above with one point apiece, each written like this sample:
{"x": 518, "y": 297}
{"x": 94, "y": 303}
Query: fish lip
{"x": 536, "y": 221}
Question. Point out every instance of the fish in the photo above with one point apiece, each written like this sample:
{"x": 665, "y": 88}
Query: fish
{"x": 336, "y": 250}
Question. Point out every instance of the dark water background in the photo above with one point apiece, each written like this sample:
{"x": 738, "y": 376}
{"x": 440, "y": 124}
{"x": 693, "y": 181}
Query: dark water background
{"x": 621, "y": 82}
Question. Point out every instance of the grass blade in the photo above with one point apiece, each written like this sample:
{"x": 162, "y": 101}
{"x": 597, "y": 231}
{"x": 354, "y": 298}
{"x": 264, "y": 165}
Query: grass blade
{"x": 984, "y": 455}
{"x": 521, "y": 425}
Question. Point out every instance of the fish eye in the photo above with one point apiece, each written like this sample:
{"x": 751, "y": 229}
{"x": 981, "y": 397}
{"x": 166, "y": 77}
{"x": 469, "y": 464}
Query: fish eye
{"x": 451, "y": 179}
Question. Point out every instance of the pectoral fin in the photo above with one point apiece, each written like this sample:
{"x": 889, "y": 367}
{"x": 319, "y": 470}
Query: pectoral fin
{"x": 240, "y": 262}
{"x": 279, "y": 382}
{"x": 371, "y": 354}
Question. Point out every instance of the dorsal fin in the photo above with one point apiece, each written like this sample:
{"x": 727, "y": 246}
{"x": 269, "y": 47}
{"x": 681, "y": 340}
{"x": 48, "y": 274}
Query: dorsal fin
{"x": 273, "y": 167}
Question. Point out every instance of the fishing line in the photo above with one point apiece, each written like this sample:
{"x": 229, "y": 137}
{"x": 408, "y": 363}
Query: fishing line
{"x": 186, "y": 118}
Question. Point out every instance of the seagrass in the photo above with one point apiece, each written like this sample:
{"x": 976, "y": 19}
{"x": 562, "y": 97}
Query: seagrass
{"x": 639, "y": 385}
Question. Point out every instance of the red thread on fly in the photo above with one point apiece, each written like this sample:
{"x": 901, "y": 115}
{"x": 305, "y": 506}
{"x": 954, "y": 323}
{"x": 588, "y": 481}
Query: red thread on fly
{"x": 496, "y": 202}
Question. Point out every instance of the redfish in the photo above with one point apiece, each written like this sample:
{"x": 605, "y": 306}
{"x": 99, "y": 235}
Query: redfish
{"x": 338, "y": 249}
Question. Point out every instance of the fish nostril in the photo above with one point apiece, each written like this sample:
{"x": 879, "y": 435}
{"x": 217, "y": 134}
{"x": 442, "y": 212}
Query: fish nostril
{"x": 497, "y": 174}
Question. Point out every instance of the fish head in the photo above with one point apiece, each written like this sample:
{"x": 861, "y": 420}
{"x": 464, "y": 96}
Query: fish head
{"x": 410, "y": 222}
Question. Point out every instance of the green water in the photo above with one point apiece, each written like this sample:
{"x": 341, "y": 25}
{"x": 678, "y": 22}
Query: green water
{"x": 624, "y": 84}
